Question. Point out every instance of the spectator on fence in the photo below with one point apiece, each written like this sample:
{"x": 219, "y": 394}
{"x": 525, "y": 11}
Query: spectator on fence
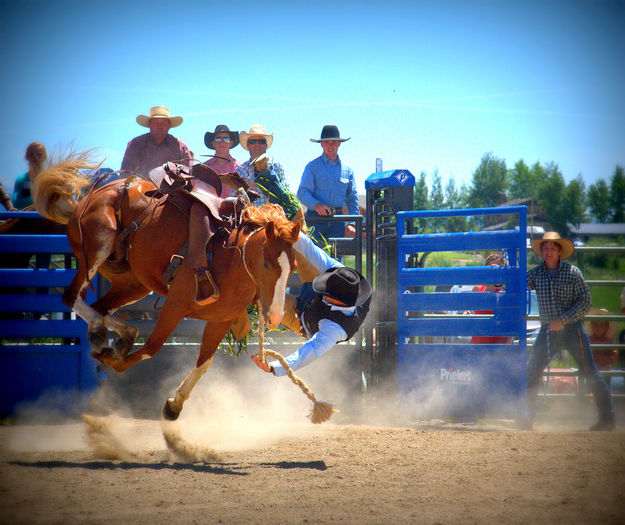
{"x": 36, "y": 156}
{"x": 563, "y": 302}
{"x": 222, "y": 140}
{"x": 494, "y": 259}
{"x": 157, "y": 147}
{"x": 602, "y": 333}
{"x": 327, "y": 186}
{"x": 5, "y": 199}
{"x": 329, "y": 310}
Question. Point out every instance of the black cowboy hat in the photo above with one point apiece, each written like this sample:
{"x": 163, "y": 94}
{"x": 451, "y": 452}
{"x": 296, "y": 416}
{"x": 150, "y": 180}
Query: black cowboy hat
{"x": 330, "y": 132}
{"x": 222, "y": 128}
{"x": 343, "y": 284}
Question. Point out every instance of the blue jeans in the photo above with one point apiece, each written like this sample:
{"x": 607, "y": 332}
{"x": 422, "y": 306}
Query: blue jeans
{"x": 575, "y": 339}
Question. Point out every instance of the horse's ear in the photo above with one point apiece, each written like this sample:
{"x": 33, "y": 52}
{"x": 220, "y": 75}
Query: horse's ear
{"x": 296, "y": 230}
{"x": 270, "y": 231}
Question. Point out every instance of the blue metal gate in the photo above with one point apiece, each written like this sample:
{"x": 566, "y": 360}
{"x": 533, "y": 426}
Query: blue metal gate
{"x": 43, "y": 347}
{"x": 439, "y": 370}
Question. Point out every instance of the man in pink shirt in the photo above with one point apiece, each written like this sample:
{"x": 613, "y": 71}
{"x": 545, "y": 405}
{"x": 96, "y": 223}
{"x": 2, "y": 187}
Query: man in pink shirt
{"x": 153, "y": 149}
{"x": 222, "y": 140}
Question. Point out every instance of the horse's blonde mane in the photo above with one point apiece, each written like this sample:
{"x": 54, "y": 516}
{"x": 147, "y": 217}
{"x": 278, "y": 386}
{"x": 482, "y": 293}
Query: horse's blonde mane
{"x": 55, "y": 188}
{"x": 257, "y": 217}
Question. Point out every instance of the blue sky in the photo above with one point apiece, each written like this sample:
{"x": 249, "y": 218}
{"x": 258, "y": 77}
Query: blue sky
{"x": 424, "y": 85}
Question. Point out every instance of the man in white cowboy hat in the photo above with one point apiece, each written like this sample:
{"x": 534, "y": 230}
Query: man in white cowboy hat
{"x": 157, "y": 147}
{"x": 330, "y": 309}
{"x": 563, "y": 302}
{"x": 265, "y": 174}
{"x": 328, "y": 185}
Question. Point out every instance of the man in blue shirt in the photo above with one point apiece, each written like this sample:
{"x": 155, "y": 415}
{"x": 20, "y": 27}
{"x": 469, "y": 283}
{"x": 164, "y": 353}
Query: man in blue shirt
{"x": 563, "y": 302}
{"x": 328, "y": 310}
{"x": 327, "y": 186}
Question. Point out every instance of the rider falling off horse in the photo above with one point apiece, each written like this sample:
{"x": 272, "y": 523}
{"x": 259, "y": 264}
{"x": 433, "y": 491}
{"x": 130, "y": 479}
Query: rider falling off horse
{"x": 329, "y": 310}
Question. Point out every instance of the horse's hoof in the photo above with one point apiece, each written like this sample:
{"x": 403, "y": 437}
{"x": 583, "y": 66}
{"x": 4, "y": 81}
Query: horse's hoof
{"x": 108, "y": 356}
{"x": 168, "y": 413}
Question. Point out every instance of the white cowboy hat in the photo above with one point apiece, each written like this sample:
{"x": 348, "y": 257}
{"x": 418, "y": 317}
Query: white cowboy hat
{"x": 566, "y": 245}
{"x": 256, "y": 129}
{"x": 613, "y": 325}
{"x": 158, "y": 112}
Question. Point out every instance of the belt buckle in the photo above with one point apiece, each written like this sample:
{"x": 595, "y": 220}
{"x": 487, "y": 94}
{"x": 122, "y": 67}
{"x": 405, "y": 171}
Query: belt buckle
{"x": 177, "y": 257}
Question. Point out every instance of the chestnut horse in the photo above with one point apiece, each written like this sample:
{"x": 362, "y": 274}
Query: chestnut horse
{"x": 250, "y": 263}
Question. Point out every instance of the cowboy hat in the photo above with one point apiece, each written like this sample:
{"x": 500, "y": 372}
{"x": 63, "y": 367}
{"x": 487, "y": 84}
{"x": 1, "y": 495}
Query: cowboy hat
{"x": 158, "y": 112}
{"x": 344, "y": 285}
{"x": 221, "y": 128}
{"x": 613, "y": 325}
{"x": 330, "y": 132}
{"x": 566, "y": 245}
{"x": 256, "y": 129}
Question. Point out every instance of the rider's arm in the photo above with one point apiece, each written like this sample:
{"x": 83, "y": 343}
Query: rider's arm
{"x": 328, "y": 335}
{"x": 315, "y": 255}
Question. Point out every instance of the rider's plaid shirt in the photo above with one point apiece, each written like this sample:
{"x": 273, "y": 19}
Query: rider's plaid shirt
{"x": 565, "y": 295}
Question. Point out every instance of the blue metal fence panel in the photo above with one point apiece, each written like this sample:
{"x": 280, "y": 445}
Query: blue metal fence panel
{"x": 44, "y": 352}
{"x": 439, "y": 370}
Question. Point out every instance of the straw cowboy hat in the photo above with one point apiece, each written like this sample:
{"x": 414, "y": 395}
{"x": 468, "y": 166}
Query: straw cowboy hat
{"x": 158, "y": 112}
{"x": 330, "y": 132}
{"x": 566, "y": 245}
{"x": 221, "y": 128}
{"x": 613, "y": 327}
{"x": 255, "y": 130}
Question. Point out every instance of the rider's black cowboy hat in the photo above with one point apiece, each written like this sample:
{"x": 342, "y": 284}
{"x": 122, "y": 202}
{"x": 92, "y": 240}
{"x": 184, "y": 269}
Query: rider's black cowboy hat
{"x": 343, "y": 284}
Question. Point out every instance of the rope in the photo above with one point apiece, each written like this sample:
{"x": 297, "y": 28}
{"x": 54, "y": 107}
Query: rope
{"x": 321, "y": 411}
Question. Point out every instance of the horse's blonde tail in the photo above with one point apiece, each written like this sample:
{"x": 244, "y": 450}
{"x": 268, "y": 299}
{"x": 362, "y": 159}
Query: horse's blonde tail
{"x": 56, "y": 188}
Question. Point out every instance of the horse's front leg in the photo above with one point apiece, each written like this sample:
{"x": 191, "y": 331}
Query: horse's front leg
{"x": 167, "y": 321}
{"x": 211, "y": 337}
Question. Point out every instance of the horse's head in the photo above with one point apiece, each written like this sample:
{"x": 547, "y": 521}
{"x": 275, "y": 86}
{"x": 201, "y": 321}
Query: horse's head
{"x": 271, "y": 259}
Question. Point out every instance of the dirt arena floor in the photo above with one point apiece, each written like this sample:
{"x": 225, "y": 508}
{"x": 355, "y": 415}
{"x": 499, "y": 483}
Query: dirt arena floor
{"x": 237, "y": 469}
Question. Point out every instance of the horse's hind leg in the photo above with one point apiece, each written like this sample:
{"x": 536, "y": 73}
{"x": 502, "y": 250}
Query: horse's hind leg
{"x": 212, "y": 336}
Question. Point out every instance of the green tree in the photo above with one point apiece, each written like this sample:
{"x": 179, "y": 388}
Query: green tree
{"x": 550, "y": 195}
{"x": 574, "y": 201}
{"x": 453, "y": 201}
{"x": 599, "y": 201}
{"x": 617, "y": 195}
{"x": 489, "y": 182}
{"x": 437, "y": 198}
{"x": 420, "y": 196}
{"x": 523, "y": 181}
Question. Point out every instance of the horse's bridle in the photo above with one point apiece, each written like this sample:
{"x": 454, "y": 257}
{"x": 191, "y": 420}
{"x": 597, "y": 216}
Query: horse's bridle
{"x": 243, "y": 254}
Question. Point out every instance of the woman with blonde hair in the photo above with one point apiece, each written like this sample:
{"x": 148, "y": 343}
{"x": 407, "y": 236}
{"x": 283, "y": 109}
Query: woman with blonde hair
{"x": 35, "y": 156}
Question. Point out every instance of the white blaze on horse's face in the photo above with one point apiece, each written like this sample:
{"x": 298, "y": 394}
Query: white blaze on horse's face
{"x": 274, "y": 314}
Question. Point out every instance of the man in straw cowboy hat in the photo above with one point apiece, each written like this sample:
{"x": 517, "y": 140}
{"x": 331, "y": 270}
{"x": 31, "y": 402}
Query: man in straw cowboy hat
{"x": 330, "y": 309}
{"x": 328, "y": 185}
{"x": 563, "y": 302}
{"x": 266, "y": 174}
{"x": 157, "y": 147}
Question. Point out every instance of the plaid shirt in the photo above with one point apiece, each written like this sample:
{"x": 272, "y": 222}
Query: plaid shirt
{"x": 564, "y": 296}
{"x": 246, "y": 170}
